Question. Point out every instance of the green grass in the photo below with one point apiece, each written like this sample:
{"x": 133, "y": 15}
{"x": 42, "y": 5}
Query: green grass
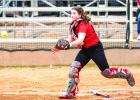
{"x": 128, "y": 65}
{"x": 34, "y": 66}
{"x": 63, "y": 65}
{"x": 18, "y": 66}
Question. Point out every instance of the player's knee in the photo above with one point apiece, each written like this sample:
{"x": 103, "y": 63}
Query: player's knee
{"x": 106, "y": 72}
{"x": 74, "y": 70}
{"x": 76, "y": 64}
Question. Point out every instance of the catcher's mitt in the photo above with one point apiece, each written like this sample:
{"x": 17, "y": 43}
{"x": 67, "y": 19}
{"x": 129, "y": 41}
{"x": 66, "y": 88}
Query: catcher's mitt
{"x": 62, "y": 44}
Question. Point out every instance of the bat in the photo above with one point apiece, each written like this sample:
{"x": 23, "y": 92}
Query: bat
{"x": 95, "y": 92}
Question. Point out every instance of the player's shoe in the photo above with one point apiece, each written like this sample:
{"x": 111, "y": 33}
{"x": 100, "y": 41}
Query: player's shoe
{"x": 119, "y": 73}
{"x": 67, "y": 96}
{"x": 130, "y": 79}
{"x": 124, "y": 73}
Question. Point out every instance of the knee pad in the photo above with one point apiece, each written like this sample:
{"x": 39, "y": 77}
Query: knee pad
{"x": 106, "y": 73}
{"x": 76, "y": 64}
{"x": 74, "y": 70}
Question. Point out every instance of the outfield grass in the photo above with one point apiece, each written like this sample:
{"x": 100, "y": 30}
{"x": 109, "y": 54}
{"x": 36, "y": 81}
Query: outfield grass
{"x": 63, "y": 65}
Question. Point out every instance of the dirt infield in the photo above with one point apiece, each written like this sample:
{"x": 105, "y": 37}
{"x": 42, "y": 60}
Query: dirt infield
{"x": 46, "y": 84}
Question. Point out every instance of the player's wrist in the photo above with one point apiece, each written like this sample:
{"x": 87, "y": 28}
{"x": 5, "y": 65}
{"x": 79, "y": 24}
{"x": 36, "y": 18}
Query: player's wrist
{"x": 70, "y": 44}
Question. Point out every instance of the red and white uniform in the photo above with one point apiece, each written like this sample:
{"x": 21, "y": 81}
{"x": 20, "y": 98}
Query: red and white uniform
{"x": 91, "y": 38}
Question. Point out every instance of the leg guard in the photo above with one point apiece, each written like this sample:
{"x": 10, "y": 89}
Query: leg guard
{"x": 119, "y": 73}
{"x": 73, "y": 81}
{"x": 74, "y": 77}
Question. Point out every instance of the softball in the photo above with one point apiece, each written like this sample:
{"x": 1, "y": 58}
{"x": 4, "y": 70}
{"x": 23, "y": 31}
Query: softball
{"x": 4, "y": 34}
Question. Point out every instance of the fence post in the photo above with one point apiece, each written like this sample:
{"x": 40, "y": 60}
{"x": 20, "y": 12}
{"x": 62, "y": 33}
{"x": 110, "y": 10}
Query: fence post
{"x": 128, "y": 24}
{"x": 131, "y": 20}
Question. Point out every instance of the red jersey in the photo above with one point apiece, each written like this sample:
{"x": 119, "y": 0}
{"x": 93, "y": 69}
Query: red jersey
{"x": 91, "y": 38}
{"x": 138, "y": 2}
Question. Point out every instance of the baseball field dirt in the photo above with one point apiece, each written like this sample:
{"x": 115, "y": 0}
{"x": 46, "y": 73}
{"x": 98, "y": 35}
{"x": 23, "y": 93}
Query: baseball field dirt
{"x": 47, "y": 83}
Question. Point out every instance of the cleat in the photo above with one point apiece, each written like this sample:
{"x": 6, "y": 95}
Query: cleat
{"x": 66, "y": 96}
{"x": 130, "y": 79}
{"x": 119, "y": 73}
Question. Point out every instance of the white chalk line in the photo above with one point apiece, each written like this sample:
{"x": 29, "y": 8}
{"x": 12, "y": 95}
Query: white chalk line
{"x": 58, "y": 93}
{"x": 81, "y": 93}
{"x": 122, "y": 97}
{"x": 115, "y": 89}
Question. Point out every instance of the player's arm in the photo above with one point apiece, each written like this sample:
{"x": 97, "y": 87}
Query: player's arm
{"x": 79, "y": 40}
{"x": 70, "y": 39}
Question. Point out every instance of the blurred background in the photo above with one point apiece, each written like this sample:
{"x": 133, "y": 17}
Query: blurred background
{"x": 38, "y": 24}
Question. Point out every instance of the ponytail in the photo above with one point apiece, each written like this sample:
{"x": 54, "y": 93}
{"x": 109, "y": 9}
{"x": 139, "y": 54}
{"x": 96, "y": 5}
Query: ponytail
{"x": 86, "y": 18}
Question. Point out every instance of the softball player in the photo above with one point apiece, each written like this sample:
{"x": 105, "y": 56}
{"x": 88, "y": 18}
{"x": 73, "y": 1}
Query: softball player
{"x": 83, "y": 35}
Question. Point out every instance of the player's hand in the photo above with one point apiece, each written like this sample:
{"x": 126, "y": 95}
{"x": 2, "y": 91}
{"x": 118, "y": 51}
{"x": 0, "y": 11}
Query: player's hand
{"x": 54, "y": 49}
